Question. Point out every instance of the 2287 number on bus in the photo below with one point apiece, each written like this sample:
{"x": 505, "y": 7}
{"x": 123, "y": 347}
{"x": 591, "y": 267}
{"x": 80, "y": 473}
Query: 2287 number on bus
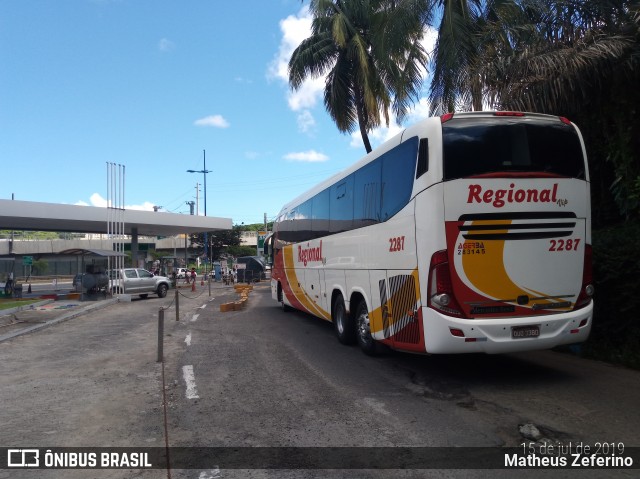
{"x": 396, "y": 244}
{"x": 564, "y": 245}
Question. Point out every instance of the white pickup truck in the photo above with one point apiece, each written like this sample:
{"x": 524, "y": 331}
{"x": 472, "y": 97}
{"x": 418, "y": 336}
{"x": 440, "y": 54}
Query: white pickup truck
{"x": 138, "y": 281}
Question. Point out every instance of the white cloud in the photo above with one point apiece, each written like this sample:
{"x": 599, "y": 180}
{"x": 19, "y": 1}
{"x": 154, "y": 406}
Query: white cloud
{"x": 295, "y": 28}
{"x": 306, "y": 122}
{"x": 166, "y": 45}
{"x": 308, "y": 95}
{"x": 97, "y": 200}
{"x": 213, "y": 120}
{"x": 310, "y": 156}
{"x": 429, "y": 39}
{"x": 420, "y": 111}
{"x": 146, "y": 206}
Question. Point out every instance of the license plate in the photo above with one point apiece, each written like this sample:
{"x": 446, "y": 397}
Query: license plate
{"x": 518, "y": 332}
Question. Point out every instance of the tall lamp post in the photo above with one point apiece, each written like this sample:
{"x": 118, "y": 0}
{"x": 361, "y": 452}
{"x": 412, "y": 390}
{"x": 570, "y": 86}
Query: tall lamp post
{"x": 204, "y": 171}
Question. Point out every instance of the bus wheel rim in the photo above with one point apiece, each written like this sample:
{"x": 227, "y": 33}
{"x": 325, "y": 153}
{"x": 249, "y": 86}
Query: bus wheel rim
{"x": 363, "y": 327}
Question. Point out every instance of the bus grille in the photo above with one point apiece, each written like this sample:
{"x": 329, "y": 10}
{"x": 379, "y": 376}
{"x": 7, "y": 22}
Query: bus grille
{"x": 529, "y": 226}
{"x": 401, "y": 308}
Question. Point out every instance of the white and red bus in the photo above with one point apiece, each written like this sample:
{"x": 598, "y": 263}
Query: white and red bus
{"x": 465, "y": 233}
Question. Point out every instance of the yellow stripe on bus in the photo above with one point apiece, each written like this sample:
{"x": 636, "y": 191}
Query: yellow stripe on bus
{"x": 297, "y": 289}
{"x": 487, "y": 271}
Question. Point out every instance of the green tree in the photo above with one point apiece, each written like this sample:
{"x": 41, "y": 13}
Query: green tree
{"x": 576, "y": 58}
{"x": 239, "y": 251}
{"x": 469, "y": 31}
{"x": 453, "y": 86}
{"x": 218, "y": 241}
{"x": 40, "y": 266}
{"x": 579, "y": 59}
{"x": 371, "y": 55}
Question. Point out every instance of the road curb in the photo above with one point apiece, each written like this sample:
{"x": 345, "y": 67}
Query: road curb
{"x": 60, "y": 319}
{"x": 26, "y": 307}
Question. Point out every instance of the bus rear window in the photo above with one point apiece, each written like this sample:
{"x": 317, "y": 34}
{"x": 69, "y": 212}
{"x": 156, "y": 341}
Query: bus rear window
{"x": 495, "y": 146}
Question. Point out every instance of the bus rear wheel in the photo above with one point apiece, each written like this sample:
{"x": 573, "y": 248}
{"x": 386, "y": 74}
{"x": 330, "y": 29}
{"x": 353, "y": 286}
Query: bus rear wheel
{"x": 286, "y": 308}
{"x": 365, "y": 340}
{"x": 342, "y": 322}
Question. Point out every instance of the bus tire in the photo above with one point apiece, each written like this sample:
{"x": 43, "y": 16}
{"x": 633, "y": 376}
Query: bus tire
{"x": 286, "y": 308}
{"x": 342, "y": 322}
{"x": 366, "y": 342}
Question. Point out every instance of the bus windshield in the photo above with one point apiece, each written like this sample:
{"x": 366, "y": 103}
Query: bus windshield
{"x": 503, "y": 146}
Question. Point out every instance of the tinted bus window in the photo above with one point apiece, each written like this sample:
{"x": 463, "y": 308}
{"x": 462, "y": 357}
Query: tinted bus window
{"x": 285, "y": 227}
{"x": 398, "y": 168}
{"x": 477, "y": 146}
{"x": 366, "y": 209}
{"x": 341, "y": 205}
{"x": 302, "y": 222}
{"x": 320, "y": 214}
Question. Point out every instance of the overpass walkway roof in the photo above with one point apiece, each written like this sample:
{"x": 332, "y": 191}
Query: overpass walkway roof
{"x": 35, "y": 216}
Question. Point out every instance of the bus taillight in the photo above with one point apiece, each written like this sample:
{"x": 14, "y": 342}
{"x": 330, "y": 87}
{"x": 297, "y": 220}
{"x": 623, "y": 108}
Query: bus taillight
{"x": 441, "y": 295}
{"x": 586, "y": 292}
{"x": 446, "y": 117}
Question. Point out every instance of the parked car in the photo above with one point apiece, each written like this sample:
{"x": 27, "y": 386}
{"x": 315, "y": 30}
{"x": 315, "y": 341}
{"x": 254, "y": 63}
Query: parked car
{"x": 181, "y": 272}
{"x": 91, "y": 282}
{"x": 138, "y": 281}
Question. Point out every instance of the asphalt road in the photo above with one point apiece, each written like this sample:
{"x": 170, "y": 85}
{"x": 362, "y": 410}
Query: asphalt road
{"x": 264, "y": 378}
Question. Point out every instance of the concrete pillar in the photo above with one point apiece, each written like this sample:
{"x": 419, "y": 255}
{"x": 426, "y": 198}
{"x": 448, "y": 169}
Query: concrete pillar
{"x": 134, "y": 247}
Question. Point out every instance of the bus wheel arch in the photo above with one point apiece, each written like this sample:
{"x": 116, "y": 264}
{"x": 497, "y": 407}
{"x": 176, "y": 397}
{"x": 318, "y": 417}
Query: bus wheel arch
{"x": 342, "y": 321}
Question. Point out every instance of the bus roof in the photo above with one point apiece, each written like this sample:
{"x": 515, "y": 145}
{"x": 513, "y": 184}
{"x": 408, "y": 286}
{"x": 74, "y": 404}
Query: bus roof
{"x": 375, "y": 153}
{"x": 418, "y": 129}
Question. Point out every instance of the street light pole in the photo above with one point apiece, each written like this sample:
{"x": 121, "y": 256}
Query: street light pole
{"x": 204, "y": 171}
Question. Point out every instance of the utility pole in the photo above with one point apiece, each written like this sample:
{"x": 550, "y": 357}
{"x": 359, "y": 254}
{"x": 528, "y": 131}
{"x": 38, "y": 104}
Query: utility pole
{"x": 204, "y": 171}
{"x": 198, "y": 199}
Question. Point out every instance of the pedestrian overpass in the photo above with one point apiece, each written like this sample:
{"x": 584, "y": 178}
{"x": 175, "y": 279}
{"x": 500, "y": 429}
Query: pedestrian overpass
{"x": 36, "y": 216}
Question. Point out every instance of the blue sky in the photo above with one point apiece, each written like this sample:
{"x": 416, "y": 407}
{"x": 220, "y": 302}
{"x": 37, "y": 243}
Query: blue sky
{"x": 151, "y": 84}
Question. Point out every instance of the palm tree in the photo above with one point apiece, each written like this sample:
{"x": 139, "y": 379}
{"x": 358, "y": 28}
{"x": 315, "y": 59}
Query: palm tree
{"x": 581, "y": 59}
{"x": 371, "y": 55}
{"x": 569, "y": 49}
{"x": 464, "y": 39}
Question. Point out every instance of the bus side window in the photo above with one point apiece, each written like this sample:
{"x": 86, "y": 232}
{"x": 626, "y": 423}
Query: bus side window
{"x": 302, "y": 222}
{"x": 423, "y": 158}
{"x": 367, "y": 195}
{"x": 398, "y": 166}
{"x": 320, "y": 214}
{"x": 341, "y": 206}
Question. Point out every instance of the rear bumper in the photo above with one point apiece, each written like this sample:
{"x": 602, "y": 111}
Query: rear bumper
{"x": 493, "y": 336}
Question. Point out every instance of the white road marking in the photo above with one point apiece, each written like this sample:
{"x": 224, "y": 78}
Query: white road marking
{"x": 203, "y": 306}
{"x": 190, "y": 380}
{"x": 188, "y": 339}
{"x": 195, "y": 316}
{"x": 211, "y": 474}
